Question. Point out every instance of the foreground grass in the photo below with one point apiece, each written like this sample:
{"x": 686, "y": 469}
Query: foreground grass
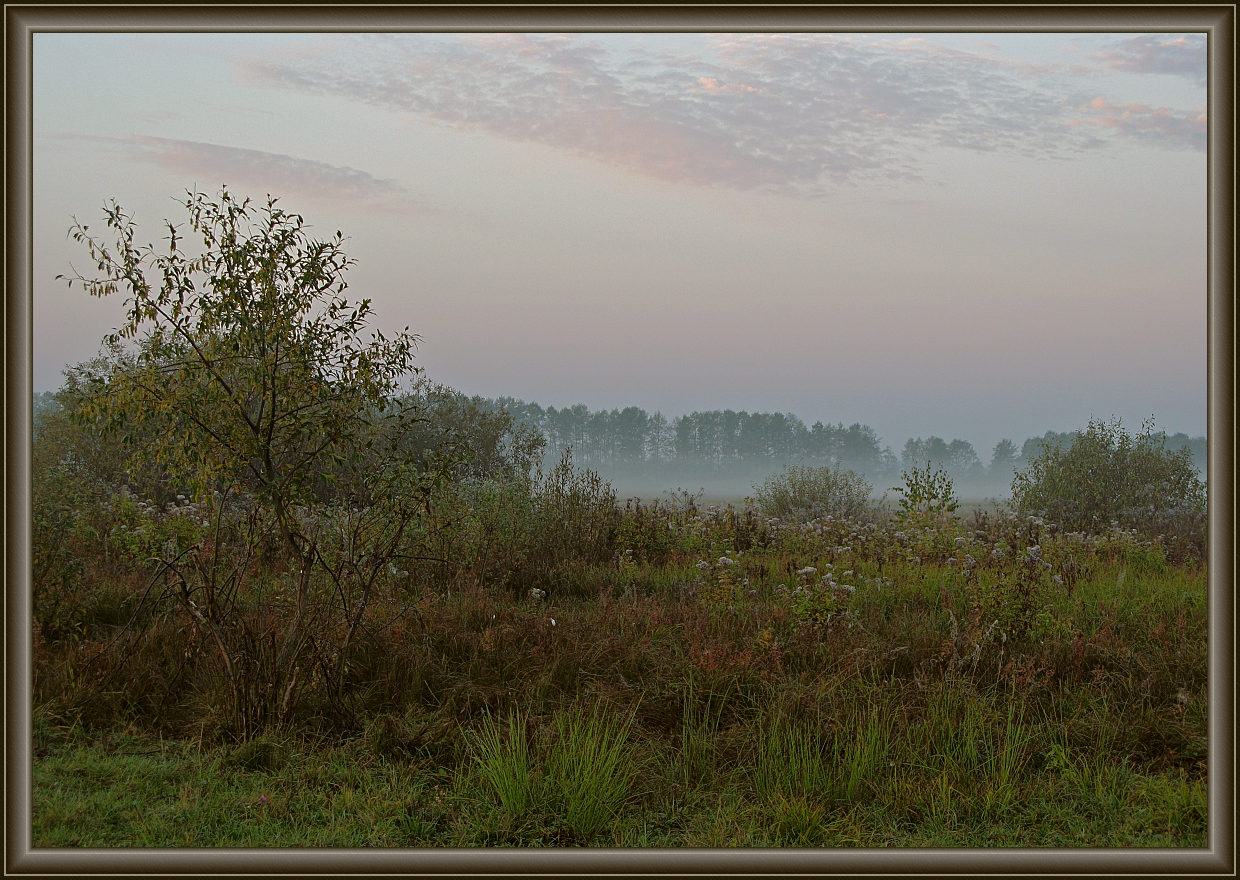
{"x": 139, "y": 792}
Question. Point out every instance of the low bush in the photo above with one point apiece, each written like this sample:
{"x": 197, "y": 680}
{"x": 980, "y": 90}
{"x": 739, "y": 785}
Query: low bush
{"x": 804, "y": 493}
{"x": 927, "y": 494}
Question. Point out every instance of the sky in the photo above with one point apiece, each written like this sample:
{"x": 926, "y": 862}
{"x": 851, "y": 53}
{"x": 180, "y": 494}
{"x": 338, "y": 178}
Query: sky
{"x": 968, "y": 235}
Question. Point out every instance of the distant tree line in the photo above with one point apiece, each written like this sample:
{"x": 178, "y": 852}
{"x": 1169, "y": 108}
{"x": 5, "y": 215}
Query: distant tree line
{"x": 718, "y": 441}
{"x": 721, "y": 440}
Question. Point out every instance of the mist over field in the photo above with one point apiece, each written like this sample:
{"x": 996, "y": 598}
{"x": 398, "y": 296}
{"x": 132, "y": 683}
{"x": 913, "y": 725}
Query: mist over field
{"x": 726, "y": 454}
{"x": 736, "y": 482}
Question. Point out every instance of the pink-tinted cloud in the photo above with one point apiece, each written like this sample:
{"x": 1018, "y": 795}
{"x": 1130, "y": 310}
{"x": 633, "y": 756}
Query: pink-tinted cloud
{"x": 1158, "y": 125}
{"x": 786, "y": 112}
{"x": 711, "y": 84}
{"x": 1174, "y": 54}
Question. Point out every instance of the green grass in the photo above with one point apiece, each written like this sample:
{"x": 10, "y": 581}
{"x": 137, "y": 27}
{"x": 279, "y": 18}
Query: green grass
{"x": 505, "y": 763}
{"x": 137, "y": 794}
{"x": 591, "y": 770}
{"x": 144, "y": 793}
{"x": 792, "y": 761}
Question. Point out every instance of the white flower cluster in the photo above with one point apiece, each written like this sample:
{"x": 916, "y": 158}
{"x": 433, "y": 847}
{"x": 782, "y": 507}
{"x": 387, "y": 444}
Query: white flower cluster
{"x": 194, "y": 511}
{"x": 827, "y": 581}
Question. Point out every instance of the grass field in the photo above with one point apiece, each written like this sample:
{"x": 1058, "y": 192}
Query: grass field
{"x": 719, "y": 679}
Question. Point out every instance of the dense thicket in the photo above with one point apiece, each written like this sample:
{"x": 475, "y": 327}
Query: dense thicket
{"x": 1104, "y": 477}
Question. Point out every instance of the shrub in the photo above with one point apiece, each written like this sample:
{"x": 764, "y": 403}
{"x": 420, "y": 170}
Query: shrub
{"x": 1105, "y": 475}
{"x": 926, "y": 493}
{"x": 489, "y": 440}
{"x": 802, "y": 493}
{"x": 521, "y": 530}
{"x": 577, "y": 515}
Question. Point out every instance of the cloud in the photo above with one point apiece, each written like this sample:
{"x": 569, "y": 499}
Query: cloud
{"x": 260, "y": 171}
{"x": 785, "y": 112}
{"x": 711, "y": 84}
{"x": 274, "y": 172}
{"x": 1161, "y": 126}
{"x": 1176, "y": 55}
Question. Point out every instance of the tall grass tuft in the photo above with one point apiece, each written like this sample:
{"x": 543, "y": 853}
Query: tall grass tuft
{"x": 590, "y": 769}
{"x": 865, "y": 754}
{"x": 505, "y": 763}
{"x": 699, "y": 729}
{"x": 1007, "y": 763}
{"x": 791, "y": 760}
{"x": 1095, "y": 781}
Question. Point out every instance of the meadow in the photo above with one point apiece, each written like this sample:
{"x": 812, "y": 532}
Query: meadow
{"x": 662, "y": 675}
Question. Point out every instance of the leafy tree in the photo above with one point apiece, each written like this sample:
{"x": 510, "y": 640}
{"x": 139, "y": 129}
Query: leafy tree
{"x": 1197, "y": 447}
{"x": 932, "y": 449}
{"x": 242, "y": 370}
{"x": 861, "y": 447}
{"x": 42, "y": 403}
{"x": 823, "y": 442}
{"x": 1106, "y": 475}
{"x": 631, "y": 425}
{"x": 662, "y": 438}
{"x": 962, "y": 459}
{"x": 694, "y": 435}
{"x": 1004, "y": 459}
{"x": 72, "y": 471}
{"x": 1034, "y": 446}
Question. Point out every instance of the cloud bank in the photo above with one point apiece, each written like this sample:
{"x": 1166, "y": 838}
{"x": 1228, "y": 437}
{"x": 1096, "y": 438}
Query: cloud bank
{"x": 785, "y": 112}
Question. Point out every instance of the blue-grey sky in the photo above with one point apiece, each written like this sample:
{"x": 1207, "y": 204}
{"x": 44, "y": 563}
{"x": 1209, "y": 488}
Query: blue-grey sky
{"x": 966, "y": 235}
